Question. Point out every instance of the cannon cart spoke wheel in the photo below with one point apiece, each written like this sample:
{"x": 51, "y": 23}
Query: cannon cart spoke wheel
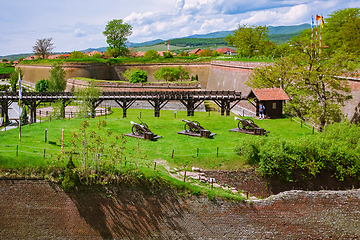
{"x": 133, "y": 129}
{"x": 145, "y": 125}
{"x": 187, "y": 127}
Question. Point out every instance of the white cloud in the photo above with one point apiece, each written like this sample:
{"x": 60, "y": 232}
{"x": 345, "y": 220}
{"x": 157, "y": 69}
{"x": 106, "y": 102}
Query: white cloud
{"x": 79, "y": 33}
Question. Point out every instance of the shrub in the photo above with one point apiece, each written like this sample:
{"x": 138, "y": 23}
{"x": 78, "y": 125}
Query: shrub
{"x": 4, "y": 87}
{"x": 24, "y": 116}
{"x": 138, "y": 77}
{"x": 151, "y": 54}
{"x": 42, "y": 85}
{"x": 167, "y": 55}
{"x": 71, "y": 178}
{"x": 77, "y": 55}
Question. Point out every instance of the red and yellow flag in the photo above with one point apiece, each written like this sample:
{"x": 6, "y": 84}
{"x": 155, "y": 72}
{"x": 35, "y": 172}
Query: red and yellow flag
{"x": 322, "y": 21}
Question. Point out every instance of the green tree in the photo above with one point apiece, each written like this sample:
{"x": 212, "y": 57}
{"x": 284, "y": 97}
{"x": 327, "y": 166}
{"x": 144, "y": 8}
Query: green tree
{"x": 116, "y": 32}
{"x": 248, "y": 39}
{"x": 24, "y": 117}
{"x": 151, "y": 54}
{"x": 171, "y": 74}
{"x": 312, "y": 82}
{"x": 14, "y": 79}
{"x": 57, "y": 82}
{"x": 342, "y": 30}
{"x": 85, "y": 99}
{"x": 183, "y": 54}
{"x": 138, "y": 77}
{"x": 42, "y": 85}
{"x": 127, "y": 74}
{"x": 167, "y": 55}
{"x": 206, "y": 53}
{"x": 77, "y": 55}
{"x": 43, "y": 47}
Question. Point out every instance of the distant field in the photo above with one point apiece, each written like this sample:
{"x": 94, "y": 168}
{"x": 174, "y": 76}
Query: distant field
{"x": 6, "y": 70}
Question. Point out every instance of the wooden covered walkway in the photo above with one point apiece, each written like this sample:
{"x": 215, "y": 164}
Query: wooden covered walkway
{"x": 226, "y": 100}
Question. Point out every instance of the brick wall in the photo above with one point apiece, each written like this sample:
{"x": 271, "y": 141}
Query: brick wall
{"x": 39, "y": 209}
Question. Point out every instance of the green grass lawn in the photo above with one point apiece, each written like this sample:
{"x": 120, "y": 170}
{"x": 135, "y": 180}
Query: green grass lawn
{"x": 32, "y": 145}
{"x": 7, "y": 70}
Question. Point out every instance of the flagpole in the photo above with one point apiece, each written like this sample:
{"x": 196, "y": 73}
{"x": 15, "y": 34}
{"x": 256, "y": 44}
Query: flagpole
{"x": 321, "y": 19}
{"x": 19, "y": 105}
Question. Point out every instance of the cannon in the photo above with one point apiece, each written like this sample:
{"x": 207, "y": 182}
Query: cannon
{"x": 141, "y": 130}
{"x": 193, "y": 128}
{"x": 248, "y": 126}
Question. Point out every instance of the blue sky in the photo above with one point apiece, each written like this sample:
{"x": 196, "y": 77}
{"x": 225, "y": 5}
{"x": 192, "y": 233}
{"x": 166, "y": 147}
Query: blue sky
{"x": 78, "y": 24}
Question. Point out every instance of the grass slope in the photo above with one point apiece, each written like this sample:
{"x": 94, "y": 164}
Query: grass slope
{"x": 32, "y": 145}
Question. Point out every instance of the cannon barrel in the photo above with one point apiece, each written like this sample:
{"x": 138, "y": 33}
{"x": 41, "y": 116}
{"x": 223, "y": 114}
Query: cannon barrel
{"x": 134, "y": 123}
{"x": 190, "y": 122}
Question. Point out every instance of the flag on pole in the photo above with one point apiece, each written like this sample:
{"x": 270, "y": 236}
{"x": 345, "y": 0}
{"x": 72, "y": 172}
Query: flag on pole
{"x": 20, "y": 95}
{"x": 321, "y": 21}
{"x": 312, "y": 21}
{"x": 318, "y": 17}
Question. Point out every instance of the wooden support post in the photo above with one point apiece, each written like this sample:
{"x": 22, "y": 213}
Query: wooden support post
{"x": 62, "y": 140}
{"x": 313, "y": 130}
{"x": 217, "y": 151}
{"x": 45, "y": 135}
{"x": 140, "y": 114}
{"x": 301, "y": 123}
{"x": 154, "y": 166}
{"x": 184, "y": 175}
{"x": 197, "y": 152}
{"x": 17, "y": 150}
{"x": 44, "y": 152}
{"x": 172, "y": 155}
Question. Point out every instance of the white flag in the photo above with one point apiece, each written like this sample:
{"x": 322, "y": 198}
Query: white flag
{"x": 20, "y": 95}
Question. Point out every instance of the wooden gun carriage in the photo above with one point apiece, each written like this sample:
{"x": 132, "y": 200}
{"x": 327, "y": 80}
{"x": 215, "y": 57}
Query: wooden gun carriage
{"x": 141, "y": 130}
{"x": 193, "y": 128}
{"x": 248, "y": 126}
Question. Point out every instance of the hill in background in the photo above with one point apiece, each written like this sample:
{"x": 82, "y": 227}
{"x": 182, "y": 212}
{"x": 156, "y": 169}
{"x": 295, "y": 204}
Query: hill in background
{"x": 278, "y": 34}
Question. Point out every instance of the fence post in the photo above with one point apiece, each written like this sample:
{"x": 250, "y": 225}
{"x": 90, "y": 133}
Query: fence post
{"x": 45, "y": 134}
{"x": 301, "y": 123}
{"x": 17, "y": 150}
{"x": 140, "y": 114}
{"x": 40, "y": 115}
{"x": 313, "y": 130}
{"x": 62, "y": 139}
{"x": 154, "y": 166}
{"x": 217, "y": 151}
{"x": 172, "y": 155}
{"x": 197, "y": 152}
{"x": 184, "y": 175}
{"x": 44, "y": 152}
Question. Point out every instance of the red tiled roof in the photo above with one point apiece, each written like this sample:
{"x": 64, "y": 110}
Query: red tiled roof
{"x": 267, "y": 94}
{"x": 224, "y": 50}
{"x": 195, "y": 51}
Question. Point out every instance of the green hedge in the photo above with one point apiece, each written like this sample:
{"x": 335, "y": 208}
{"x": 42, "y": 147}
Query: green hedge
{"x": 337, "y": 150}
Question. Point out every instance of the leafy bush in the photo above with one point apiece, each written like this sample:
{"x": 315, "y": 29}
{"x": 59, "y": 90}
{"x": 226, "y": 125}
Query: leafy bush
{"x": 151, "y": 54}
{"x": 42, "y": 85}
{"x": 77, "y": 55}
{"x": 171, "y": 74}
{"x": 337, "y": 150}
{"x": 24, "y": 116}
{"x": 167, "y": 55}
{"x": 4, "y": 87}
{"x": 71, "y": 178}
{"x": 138, "y": 77}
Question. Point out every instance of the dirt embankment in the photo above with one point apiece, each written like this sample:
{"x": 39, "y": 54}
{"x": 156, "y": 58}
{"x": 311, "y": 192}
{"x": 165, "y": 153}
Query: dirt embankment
{"x": 39, "y": 209}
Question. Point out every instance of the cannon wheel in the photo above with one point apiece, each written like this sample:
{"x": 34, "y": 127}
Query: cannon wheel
{"x": 187, "y": 127}
{"x": 145, "y": 125}
{"x": 248, "y": 127}
{"x": 135, "y": 132}
{"x": 196, "y": 129}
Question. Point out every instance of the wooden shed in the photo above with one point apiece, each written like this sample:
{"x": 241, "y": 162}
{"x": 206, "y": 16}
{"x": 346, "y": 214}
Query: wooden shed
{"x": 272, "y": 98}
